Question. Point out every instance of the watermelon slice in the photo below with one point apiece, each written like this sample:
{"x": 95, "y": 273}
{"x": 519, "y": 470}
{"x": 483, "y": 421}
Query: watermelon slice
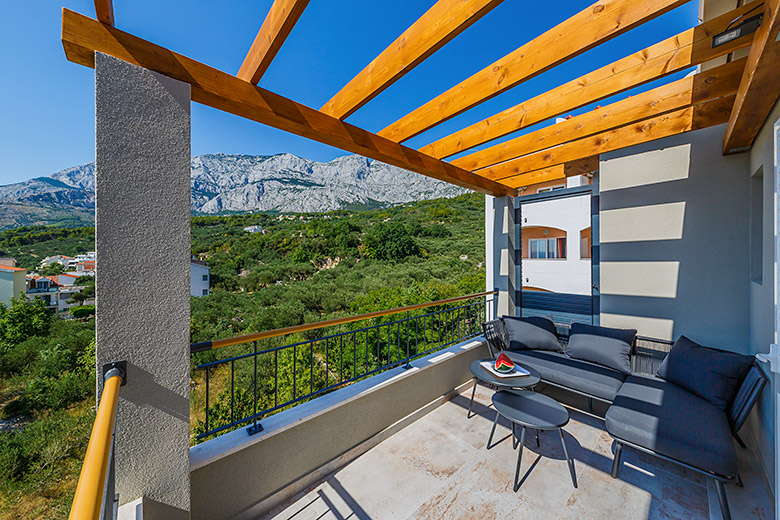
{"x": 504, "y": 364}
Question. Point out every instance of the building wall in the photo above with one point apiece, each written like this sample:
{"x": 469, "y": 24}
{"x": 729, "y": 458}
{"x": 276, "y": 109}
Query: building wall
{"x": 11, "y": 284}
{"x": 501, "y": 273}
{"x": 673, "y": 235}
{"x": 763, "y": 288}
{"x": 562, "y": 217}
{"x": 197, "y": 283}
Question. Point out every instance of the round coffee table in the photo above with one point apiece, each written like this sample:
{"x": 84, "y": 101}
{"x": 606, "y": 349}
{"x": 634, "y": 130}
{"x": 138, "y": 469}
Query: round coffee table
{"x": 531, "y": 410}
{"x": 507, "y": 383}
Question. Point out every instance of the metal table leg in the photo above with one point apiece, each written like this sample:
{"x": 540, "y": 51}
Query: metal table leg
{"x": 471, "y": 403}
{"x": 537, "y": 438}
{"x": 492, "y": 431}
{"x": 519, "y": 460}
{"x": 568, "y": 460}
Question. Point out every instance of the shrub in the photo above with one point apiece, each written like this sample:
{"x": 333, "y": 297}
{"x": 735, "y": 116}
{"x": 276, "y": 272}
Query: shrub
{"x": 82, "y": 311}
{"x": 389, "y": 241}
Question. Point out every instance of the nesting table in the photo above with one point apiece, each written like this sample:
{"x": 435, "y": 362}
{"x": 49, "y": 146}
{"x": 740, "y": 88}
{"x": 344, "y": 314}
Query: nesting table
{"x": 501, "y": 383}
{"x": 531, "y": 410}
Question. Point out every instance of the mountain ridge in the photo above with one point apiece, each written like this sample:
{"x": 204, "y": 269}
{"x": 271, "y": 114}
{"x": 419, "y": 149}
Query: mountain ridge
{"x": 233, "y": 183}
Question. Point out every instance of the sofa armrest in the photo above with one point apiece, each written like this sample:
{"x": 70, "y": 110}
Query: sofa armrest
{"x": 746, "y": 397}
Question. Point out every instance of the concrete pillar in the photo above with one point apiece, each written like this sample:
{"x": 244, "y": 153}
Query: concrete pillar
{"x": 142, "y": 192}
{"x": 502, "y": 253}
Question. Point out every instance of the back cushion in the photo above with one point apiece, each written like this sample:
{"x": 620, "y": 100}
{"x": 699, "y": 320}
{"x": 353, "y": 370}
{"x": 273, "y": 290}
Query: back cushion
{"x": 712, "y": 374}
{"x": 534, "y": 333}
{"x": 602, "y": 345}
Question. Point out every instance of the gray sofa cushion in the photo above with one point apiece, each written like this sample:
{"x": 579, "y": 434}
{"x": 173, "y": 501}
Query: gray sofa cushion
{"x": 535, "y": 333}
{"x": 626, "y": 335}
{"x": 610, "y": 352}
{"x": 669, "y": 420}
{"x": 562, "y": 370}
{"x": 712, "y": 374}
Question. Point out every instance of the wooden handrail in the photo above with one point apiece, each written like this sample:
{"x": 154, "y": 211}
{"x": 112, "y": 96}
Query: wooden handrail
{"x": 88, "y": 501}
{"x": 218, "y": 343}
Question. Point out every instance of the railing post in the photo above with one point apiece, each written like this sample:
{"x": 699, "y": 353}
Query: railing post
{"x": 256, "y": 426}
{"x": 407, "y": 365}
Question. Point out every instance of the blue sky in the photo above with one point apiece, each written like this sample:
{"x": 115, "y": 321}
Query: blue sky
{"x": 47, "y": 107}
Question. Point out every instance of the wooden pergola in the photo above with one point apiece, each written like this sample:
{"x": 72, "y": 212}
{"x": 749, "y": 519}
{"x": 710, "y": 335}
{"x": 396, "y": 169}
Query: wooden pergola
{"x": 740, "y": 92}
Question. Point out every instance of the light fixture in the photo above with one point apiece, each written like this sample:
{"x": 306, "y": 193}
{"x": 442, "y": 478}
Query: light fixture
{"x": 745, "y": 27}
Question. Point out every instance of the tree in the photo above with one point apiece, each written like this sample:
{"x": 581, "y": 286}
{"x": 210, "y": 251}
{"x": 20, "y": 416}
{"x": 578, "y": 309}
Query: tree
{"x": 390, "y": 241}
{"x": 23, "y": 319}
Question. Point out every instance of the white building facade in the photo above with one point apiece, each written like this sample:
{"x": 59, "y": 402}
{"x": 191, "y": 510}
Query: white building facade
{"x": 200, "y": 278}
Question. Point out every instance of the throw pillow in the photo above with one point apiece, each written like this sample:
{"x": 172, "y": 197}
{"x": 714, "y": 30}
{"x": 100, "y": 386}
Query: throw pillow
{"x": 533, "y": 333}
{"x": 713, "y": 374}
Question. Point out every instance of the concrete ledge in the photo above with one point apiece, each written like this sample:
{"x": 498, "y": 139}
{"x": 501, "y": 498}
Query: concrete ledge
{"x": 235, "y": 474}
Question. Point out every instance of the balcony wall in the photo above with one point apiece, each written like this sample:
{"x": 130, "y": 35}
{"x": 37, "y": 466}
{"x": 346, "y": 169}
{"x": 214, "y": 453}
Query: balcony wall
{"x": 237, "y": 475}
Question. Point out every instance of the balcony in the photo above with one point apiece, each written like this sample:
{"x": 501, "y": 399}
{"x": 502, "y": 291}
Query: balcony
{"x": 433, "y": 461}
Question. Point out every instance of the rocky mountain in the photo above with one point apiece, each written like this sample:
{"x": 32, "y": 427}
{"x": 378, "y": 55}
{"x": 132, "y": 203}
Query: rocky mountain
{"x": 223, "y": 183}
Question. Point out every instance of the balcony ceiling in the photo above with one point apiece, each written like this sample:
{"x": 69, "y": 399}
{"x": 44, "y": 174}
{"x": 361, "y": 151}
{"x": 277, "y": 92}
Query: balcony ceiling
{"x": 501, "y": 153}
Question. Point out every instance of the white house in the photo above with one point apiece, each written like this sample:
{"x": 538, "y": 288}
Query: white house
{"x": 199, "y": 278}
{"x": 556, "y": 237}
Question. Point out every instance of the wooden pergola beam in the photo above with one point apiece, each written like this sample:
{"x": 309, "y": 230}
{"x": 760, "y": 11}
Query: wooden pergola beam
{"x": 278, "y": 24}
{"x": 553, "y": 173}
{"x": 707, "y": 114}
{"x": 82, "y": 37}
{"x": 689, "y": 48}
{"x": 596, "y": 24}
{"x": 434, "y": 29}
{"x": 711, "y": 84}
{"x": 760, "y": 85}
{"x": 104, "y": 11}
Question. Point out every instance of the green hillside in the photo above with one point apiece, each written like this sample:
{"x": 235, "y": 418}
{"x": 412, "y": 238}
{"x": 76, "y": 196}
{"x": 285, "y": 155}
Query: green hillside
{"x": 304, "y": 268}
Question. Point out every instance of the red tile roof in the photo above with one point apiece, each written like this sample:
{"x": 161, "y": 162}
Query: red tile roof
{"x": 7, "y": 268}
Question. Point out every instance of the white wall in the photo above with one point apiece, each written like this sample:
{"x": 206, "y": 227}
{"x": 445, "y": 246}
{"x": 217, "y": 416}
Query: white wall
{"x": 197, "y": 283}
{"x": 570, "y": 275}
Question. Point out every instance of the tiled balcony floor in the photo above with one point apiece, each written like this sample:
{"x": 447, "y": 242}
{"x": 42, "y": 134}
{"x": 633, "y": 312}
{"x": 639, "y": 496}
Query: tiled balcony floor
{"x": 438, "y": 468}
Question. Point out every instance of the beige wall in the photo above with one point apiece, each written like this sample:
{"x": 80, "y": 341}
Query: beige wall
{"x": 234, "y": 472}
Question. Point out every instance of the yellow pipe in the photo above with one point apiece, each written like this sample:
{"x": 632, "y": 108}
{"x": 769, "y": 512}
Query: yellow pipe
{"x": 88, "y": 502}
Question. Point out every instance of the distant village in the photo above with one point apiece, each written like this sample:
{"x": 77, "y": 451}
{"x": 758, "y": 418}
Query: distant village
{"x": 72, "y": 283}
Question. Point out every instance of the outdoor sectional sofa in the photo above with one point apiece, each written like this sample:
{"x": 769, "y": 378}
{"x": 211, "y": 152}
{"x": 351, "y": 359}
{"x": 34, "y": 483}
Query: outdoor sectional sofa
{"x": 683, "y": 404}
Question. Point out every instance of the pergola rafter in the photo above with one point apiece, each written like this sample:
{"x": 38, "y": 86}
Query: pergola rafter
{"x": 592, "y": 26}
{"x": 277, "y": 26}
{"x": 760, "y": 86}
{"x": 707, "y": 114}
{"x": 434, "y": 29}
{"x": 687, "y": 49}
{"x": 104, "y": 10}
{"x": 705, "y": 86}
{"x": 569, "y": 148}
{"x": 82, "y": 37}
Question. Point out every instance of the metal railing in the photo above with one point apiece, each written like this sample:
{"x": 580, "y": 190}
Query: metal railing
{"x": 95, "y": 497}
{"x": 248, "y": 384}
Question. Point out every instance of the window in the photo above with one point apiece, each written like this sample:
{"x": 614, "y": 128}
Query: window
{"x": 757, "y": 226}
{"x": 547, "y": 248}
{"x": 205, "y": 278}
{"x": 205, "y": 292}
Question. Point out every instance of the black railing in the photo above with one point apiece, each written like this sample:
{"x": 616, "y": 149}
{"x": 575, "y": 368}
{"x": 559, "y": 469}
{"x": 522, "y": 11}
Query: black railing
{"x": 261, "y": 381}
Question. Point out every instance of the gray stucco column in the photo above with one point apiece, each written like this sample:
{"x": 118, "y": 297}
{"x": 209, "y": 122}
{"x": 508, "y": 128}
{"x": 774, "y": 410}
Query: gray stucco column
{"x": 142, "y": 189}
{"x": 502, "y": 250}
